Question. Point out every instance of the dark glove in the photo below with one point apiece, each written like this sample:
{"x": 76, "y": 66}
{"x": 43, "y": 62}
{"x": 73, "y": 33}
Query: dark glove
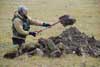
{"x": 32, "y": 33}
{"x": 46, "y": 25}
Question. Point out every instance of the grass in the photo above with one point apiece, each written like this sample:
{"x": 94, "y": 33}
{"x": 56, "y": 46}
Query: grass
{"x": 86, "y": 12}
{"x": 37, "y": 61}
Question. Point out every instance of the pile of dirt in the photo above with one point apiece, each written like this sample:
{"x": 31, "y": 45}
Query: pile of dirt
{"x": 73, "y": 41}
{"x": 68, "y": 42}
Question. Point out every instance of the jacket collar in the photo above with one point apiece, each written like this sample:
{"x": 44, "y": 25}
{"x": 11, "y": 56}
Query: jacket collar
{"x": 17, "y": 14}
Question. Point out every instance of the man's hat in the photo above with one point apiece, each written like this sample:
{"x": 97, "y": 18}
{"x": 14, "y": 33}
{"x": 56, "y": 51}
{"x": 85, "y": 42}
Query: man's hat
{"x": 22, "y": 8}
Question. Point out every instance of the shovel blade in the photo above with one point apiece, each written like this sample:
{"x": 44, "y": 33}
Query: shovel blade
{"x": 66, "y": 20}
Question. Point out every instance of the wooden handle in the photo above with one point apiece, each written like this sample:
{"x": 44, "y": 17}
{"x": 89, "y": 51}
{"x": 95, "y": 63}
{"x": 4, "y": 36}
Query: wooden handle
{"x": 47, "y": 27}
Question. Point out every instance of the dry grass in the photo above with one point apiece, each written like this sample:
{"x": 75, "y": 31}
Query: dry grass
{"x": 86, "y": 12}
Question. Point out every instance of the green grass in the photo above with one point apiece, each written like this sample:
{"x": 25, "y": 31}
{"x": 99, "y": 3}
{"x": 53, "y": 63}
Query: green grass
{"x": 86, "y": 12}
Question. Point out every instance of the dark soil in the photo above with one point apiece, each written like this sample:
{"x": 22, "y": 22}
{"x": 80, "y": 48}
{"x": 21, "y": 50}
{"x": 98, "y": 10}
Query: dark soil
{"x": 76, "y": 42}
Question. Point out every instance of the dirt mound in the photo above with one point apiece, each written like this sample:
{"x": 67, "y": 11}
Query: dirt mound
{"x": 69, "y": 41}
{"x": 73, "y": 41}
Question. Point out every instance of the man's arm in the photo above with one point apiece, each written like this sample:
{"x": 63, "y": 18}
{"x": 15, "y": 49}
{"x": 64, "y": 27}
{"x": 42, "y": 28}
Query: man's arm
{"x": 39, "y": 23}
{"x": 35, "y": 22}
{"x": 19, "y": 28}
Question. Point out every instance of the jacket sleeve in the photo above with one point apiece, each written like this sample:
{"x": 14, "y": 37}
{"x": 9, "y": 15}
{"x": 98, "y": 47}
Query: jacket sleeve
{"x": 19, "y": 28}
{"x": 35, "y": 22}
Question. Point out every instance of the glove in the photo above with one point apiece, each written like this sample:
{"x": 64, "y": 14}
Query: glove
{"x": 46, "y": 25}
{"x": 32, "y": 33}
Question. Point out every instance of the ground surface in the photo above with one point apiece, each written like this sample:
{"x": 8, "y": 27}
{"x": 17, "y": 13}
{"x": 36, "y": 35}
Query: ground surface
{"x": 87, "y": 13}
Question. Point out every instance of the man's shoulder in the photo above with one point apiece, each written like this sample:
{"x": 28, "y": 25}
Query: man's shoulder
{"x": 17, "y": 19}
{"x": 29, "y": 17}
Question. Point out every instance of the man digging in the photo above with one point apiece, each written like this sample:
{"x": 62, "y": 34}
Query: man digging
{"x": 21, "y": 25}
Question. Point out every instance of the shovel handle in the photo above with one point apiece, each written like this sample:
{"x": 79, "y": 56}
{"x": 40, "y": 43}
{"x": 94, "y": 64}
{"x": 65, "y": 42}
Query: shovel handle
{"x": 55, "y": 23}
{"x": 47, "y": 27}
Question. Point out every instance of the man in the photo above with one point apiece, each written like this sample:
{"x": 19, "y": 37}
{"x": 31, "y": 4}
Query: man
{"x": 21, "y": 25}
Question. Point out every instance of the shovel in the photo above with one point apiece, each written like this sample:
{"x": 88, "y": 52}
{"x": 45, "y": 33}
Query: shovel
{"x": 65, "y": 20}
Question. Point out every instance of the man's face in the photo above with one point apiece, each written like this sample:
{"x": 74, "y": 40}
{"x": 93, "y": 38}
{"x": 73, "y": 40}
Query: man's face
{"x": 25, "y": 12}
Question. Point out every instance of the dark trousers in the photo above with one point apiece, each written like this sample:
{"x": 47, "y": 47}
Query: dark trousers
{"x": 17, "y": 41}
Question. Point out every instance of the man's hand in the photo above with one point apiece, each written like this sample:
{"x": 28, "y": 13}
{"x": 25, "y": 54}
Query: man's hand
{"x": 32, "y": 33}
{"x": 46, "y": 25}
